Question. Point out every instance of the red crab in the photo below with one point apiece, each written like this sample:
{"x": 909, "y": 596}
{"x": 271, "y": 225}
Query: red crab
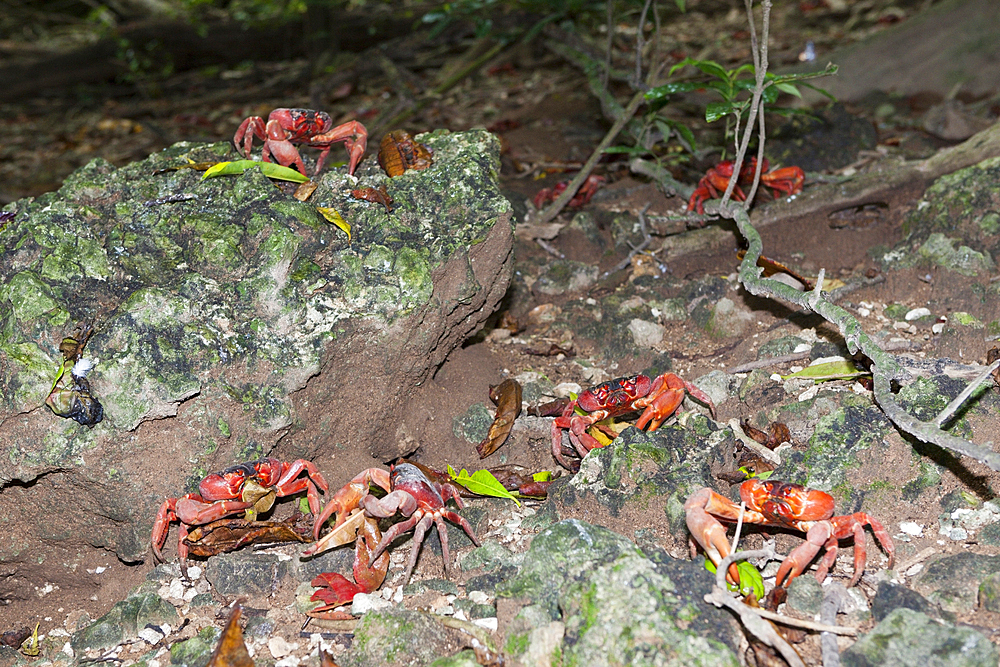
{"x": 788, "y": 506}
{"x": 659, "y": 398}
{"x": 248, "y": 487}
{"x": 409, "y": 492}
{"x": 580, "y": 199}
{"x": 301, "y": 126}
{"x": 787, "y": 179}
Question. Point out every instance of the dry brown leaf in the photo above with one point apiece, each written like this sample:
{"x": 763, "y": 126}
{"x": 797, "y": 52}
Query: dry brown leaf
{"x": 305, "y": 190}
{"x": 507, "y": 397}
{"x": 231, "y": 651}
{"x": 231, "y": 534}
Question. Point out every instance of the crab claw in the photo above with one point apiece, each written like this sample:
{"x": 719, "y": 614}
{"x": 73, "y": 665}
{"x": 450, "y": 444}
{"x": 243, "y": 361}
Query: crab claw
{"x": 668, "y": 393}
{"x": 788, "y": 180}
{"x": 349, "y": 497}
{"x": 355, "y": 138}
{"x": 706, "y": 529}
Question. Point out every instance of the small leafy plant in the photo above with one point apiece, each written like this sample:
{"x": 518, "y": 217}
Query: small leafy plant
{"x": 734, "y": 86}
{"x": 750, "y": 579}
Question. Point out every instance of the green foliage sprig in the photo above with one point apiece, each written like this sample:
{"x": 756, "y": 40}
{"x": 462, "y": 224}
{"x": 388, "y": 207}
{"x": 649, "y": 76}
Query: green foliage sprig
{"x": 734, "y": 86}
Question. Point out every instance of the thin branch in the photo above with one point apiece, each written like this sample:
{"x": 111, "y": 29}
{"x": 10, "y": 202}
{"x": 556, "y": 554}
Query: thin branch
{"x": 885, "y": 368}
{"x": 950, "y": 410}
{"x": 769, "y": 361}
{"x": 926, "y": 431}
{"x": 739, "y": 526}
{"x": 760, "y": 70}
{"x": 605, "y": 77}
{"x": 557, "y": 206}
{"x": 638, "y": 43}
{"x": 769, "y": 554}
{"x": 750, "y": 616}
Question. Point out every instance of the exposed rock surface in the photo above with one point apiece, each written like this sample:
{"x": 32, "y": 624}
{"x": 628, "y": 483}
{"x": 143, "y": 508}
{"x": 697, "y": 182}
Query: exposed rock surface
{"x": 231, "y": 321}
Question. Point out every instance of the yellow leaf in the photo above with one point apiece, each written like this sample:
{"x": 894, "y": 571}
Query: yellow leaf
{"x": 337, "y": 219}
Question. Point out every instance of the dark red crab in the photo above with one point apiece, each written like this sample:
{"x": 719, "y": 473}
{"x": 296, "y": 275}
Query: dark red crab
{"x": 250, "y": 487}
{"x": 658, "y": 398}
{"x": 286, "y": 127}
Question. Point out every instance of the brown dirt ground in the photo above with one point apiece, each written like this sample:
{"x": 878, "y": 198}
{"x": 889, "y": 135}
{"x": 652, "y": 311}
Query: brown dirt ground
{"x": 558, "y": 122}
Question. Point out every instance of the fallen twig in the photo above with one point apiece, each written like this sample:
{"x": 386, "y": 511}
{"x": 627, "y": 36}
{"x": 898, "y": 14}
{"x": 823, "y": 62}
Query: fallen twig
{"x": 557, "y": 206}
{"x": 950, "y": 409}
{"x": 833, "y": 600}
{"x": 768, "y": 361}
{"x": 646, "y": 240}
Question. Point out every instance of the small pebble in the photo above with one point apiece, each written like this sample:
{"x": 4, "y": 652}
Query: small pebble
{"x": 280, "y": 647}
{"x": 490, "y": 623}
{"x": 479, "y": 597}
{"x": 916, "y": 314}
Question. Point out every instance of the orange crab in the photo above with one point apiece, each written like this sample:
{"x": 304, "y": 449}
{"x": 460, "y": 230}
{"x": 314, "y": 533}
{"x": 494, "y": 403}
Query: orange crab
{"x": 789, "y": 506}
{"x": 788, "y": 180}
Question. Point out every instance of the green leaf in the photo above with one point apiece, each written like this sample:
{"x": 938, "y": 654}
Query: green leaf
{"x": 681, "y": 5}
{"x": 660, "y": 93}
{"x": 820, "y": 91}
{"x": 543, "y": 476}
{"x": 716, "y": 110}
{"x": 269, "y": 169}
{"x": 788, "y": 88}
{"x": 481, "y": 482}
{"x": 712, "y": 68}
{"x": 750, "y": 579}
{"x": 832, "y": 370}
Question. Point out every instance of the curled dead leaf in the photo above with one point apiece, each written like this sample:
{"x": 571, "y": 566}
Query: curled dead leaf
{"x": 398, "y": 152}
{"x": 305, "y": 190}
{"x": 379, "y": 196}
{"x": 517, "y": 478}
{"x": 14, "y": 638}
{"x": 775, "y": 434}
{"x": 231, "y": 534}
{"x": 550, "y": 409}
{"x": 507, "y": 397}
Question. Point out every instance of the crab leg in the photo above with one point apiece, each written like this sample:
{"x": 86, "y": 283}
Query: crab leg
{"x": 355, "y": 138}
{"x": 349, "y": 497}
{"x": 706, "y": 529}
{"x": 288, "y": 485}
{"x": 248, "y": 129}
